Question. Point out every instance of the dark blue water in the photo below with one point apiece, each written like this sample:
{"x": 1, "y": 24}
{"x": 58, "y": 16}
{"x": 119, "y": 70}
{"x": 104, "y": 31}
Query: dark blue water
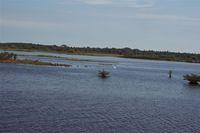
{"x": 138, "y": 97}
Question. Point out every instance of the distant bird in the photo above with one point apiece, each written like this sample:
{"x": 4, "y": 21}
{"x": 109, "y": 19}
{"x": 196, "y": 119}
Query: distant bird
{"x": 114, "y": 67}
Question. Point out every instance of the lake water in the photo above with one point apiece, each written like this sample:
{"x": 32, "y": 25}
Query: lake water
{"x": 138, "y": 97}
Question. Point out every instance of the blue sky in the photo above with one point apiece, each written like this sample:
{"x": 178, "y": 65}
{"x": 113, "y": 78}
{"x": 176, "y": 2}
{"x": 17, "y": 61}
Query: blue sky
{"x": 172, "y": 25}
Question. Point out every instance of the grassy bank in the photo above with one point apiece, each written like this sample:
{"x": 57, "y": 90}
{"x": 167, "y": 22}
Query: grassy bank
{"x": 32, "y": 62}
{"x": 12, "y": 58}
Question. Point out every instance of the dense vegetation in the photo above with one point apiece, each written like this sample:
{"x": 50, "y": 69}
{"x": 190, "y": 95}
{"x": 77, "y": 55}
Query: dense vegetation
{"x": 125, "y": 52}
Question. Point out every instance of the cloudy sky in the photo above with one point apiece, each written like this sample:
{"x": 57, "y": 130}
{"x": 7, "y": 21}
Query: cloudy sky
{"x": 172, "y": 25}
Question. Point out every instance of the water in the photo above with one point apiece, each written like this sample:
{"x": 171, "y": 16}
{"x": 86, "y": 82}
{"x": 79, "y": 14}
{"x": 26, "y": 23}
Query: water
{"x": 138, "y": 97}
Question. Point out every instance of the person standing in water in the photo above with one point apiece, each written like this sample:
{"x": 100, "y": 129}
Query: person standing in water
{"x": 170, "y": 74}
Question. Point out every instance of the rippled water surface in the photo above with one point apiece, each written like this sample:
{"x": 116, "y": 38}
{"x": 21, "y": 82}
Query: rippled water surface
{"x": 138, "y": 97}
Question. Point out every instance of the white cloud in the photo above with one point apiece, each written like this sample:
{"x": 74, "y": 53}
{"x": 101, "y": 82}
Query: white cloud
{"x": 96, "y": 2}
{"x": 121, "y": 3}
{"x": 165, "y": 17}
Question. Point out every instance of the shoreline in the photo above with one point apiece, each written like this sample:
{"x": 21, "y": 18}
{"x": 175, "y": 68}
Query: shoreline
{"x": 32, "y": 62}
{"x": 103, "y": 55}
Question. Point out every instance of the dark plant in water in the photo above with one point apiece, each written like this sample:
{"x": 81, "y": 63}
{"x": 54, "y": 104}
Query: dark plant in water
{"x": 8, "y": 56}
{"x": 192, "y": 78}
{"x": 103, "y": 74}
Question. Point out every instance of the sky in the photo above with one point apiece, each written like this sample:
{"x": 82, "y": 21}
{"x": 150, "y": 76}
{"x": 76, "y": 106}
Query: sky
{"x": 167, "y": 25}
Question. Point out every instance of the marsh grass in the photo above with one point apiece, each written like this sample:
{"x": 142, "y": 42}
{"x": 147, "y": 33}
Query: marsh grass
{"x": 192, "y": 78}
{"x": 6, "y": 57}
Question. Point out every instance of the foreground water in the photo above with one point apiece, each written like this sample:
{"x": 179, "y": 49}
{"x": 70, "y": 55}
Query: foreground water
{"x": 138, "y": 97}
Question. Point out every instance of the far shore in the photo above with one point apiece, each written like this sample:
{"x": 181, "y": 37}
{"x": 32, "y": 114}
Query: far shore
{"x": 56, "y": 52}
{"x": 109, "y": 52}
{"x": 97, "y": 54}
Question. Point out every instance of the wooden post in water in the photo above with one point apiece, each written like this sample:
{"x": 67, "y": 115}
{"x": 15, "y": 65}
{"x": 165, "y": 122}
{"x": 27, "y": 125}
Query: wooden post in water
{"x": 170, "y": 74}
